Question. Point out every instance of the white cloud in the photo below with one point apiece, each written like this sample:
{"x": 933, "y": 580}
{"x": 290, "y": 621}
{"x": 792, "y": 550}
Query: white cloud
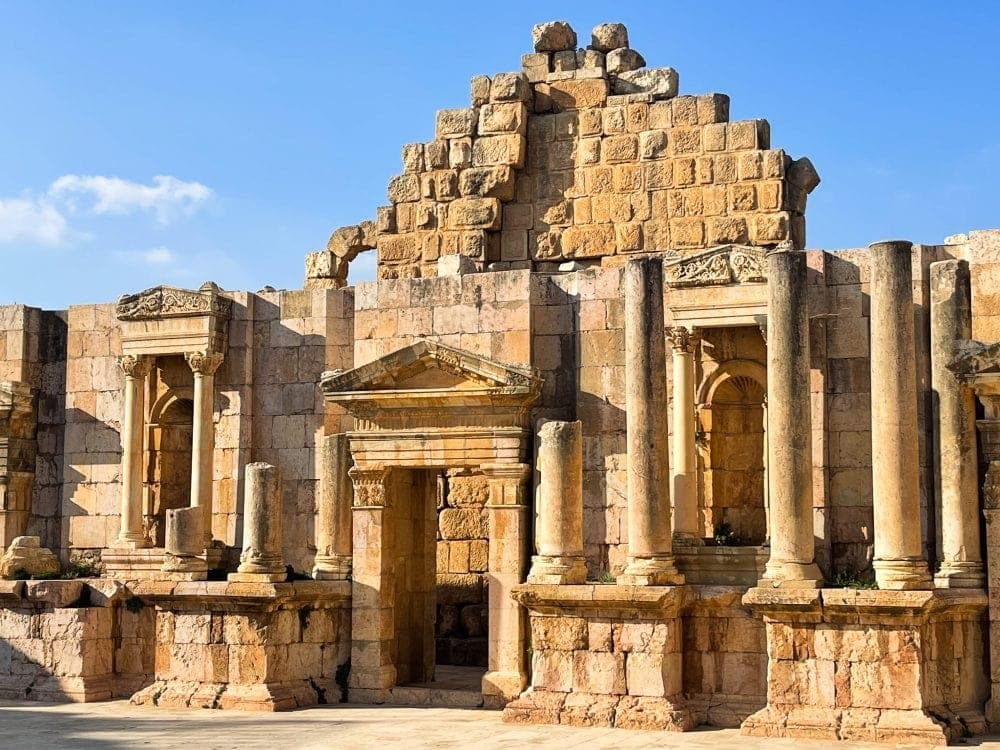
{"x": 31, "y": 220}
{"x": 154, "y": 256}
{"x": 165, "y": 197}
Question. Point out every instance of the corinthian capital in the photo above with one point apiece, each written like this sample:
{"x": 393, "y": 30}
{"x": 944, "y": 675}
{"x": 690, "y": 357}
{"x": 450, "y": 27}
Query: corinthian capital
{"x": 203, "y": 363}
{"x": 681, "y": 338}
{"x": 135, "y": 366}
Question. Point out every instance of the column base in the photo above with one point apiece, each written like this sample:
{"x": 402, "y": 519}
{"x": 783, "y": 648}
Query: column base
{"x": 332, "y": 568}
{"x": 651, "y": 571}
{"x": 960, "y": 575}
{"x": 500, "y": 688}
{"x": 902, "y": 575}
{"x": 257, "y": 577}
{"x": 131, "y": 541}
{"x": 192, "y": 568}
{"x": 557, "y": 569}
{"x": 780, "y": 574}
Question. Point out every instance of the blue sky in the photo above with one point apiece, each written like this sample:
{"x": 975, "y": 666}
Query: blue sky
{"x": 155, "y": 142}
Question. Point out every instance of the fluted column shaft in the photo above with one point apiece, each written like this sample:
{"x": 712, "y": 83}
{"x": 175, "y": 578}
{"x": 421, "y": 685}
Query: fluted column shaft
{"x": 650, "y": 553}
{"x": 792, "y": 563}
{"x": 954, "y": 431}
{"x": 132, "y": 535}
{"x": 899, "y": 557}
{"x": 684, "y": 468}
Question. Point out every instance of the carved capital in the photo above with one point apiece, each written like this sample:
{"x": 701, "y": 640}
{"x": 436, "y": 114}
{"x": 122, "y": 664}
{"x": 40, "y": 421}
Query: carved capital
{"x": 369, "y": 486}
{"x": 682, "y": 339}
{"x": 135, "y": 366}
{"x": 203, "y": 363}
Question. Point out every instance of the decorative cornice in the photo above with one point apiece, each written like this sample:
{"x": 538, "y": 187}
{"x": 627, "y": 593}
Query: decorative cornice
{"x": 726, "y": 264}
{"x": 171, "y": 302}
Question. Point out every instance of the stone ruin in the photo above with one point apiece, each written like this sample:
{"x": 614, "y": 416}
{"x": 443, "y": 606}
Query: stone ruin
{"x": 603, "y": 444}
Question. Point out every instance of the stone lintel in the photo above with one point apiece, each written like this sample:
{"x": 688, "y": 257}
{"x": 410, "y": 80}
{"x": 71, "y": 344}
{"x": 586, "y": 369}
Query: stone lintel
{"x": 579, "y": 599}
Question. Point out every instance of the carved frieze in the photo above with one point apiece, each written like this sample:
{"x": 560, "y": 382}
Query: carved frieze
{"x": 369, "y": 486}
{"x": 170, "y": 302}
{"x": 727, "y": 264}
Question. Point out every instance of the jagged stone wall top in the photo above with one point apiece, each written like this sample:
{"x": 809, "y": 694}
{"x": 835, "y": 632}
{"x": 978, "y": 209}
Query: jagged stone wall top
{"x": 585, "y": 154}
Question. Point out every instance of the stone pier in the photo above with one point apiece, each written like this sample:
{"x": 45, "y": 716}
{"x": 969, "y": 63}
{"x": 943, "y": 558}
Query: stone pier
{"x": 793, "y": 551}
{"x": 334, "y": 536}
{"x": 559, "y": 513}
{"x": 961, "y": 564}
{"x": 650, "y": 552}
{"x": 899, "y": 557}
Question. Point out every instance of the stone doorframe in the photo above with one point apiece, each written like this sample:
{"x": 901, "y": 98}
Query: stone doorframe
{"x": 467, "y": 411}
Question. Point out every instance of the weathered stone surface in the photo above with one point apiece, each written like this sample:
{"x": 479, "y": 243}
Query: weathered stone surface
{"x": 622, "y": 60}
{"x": 553, "y": 37}
{"x": 661, "y": 83}
{"x": 609, "y": 36}
{"x": 26, "y": 554}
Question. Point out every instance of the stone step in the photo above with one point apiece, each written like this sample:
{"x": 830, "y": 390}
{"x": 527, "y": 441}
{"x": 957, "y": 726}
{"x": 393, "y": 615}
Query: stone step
{"x": 413, "y": 695}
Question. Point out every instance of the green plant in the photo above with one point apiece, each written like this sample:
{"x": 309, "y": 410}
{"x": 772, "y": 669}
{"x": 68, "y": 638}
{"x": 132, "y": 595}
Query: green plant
{"x": 82, "y": 568}
{"x": 19, "y": 575}
{"x": 852, "y": 579}
{"x": 51, "y": 576}
{"x": 726, "y": 537}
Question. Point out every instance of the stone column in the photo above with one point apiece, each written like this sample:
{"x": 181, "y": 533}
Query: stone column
{"x": 954, "y": 431}
{"x": 650, "y": 554}
{"x": 132, "y": 535}
{"x": 203, "y": 434}
{"x": 792, "y": 563}
{"x": 989, "y": 441}
{"x": 507, "y": 509}
{"x": 334, "y": 541}
{"x": 373, "y": 587}
{"x": 559, "y": 510}
{"x": 684, "y": 469}
{"x": 899, "y": 557}
{"x": 261, "y": 559}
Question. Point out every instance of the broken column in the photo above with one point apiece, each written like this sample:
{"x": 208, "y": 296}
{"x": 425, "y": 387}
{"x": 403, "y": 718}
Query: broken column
{"x": 131, "y": 534}
{"x": 184, "y": 542}
{"x": 650, "y": 559}
{"x": 684, "y": 470}
{"x": 334, "y": 535}
{"x": 954, "y": 430}
{"x": 899, "y": 557}
{"x": 261, "y": 558}
{"x": 559, "y": 514}
{"x": 203, "y": 366}
{"x": 792, "y": 563}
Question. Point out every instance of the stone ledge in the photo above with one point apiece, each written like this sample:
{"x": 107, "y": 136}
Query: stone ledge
{"x": 199, "y": 594}
{"x": 603, "y": 598}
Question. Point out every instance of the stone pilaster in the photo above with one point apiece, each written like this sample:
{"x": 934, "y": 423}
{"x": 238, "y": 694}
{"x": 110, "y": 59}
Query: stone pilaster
{"x": 373, "y": 673}
{"x": 899, "y": 557}
{"x": 559, "y": 512}
{"x": 684, "y": 468}
{"x": 132, "y": 535}
{"x": 650, "y": 552}
{"x": 507, "y": 509}
{"x": 961, "y": 564}
{"x": 989, "y": 440}
{"x": 792, "y": 563}
{"x": 261, "y": 559}
{"x": 334, "y": 540}
{"x": 203, "y": 366}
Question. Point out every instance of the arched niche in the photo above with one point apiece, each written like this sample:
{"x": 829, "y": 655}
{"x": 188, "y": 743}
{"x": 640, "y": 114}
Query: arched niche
{"x": 168, "y": 457}
{"x": 733, "y": 448}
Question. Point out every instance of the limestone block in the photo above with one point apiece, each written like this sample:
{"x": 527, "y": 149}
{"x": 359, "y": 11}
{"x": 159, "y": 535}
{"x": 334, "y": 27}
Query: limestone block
{"x": 479, "y": 89}
{"x": 456, "y": 123}
{"x": 712, "y": 108}
{"x": 552, "y": 670}
{"x": 558, "y": 633}
{"x": 474, "y": 213}
{"x": 510, "y": 87}
{"x": 553, "y": 36}
{"x": 499, "y": 150}
{"x": 661, "y": 83}
{"x": 609, "y": 36}
{"x": 747, "y": 134}
{"x": 462, "y": 523}
{"x": 494, "y": 182}
{"x": 504, "y": 117}
{"x": 620, "y": 148}
{"x": 623, "y": 60}
{"x": 27, "y": 554}
{"x": 587, "y": 59}
{"x": 413, "y": 157}
{"x": 404, "y": 188}
{"x": 564, "y": 61}
{"x": 590, "y": 241}
{"x": 535, "y": 66}
{"x": 573, "y": 94}
{"x": 460, "y": 588}
{"x": 599, "y": 672}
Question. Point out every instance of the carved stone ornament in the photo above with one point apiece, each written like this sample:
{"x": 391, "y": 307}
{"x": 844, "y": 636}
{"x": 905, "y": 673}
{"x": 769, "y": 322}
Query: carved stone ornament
{"x": 170, "y": 302}
{"x": 203, "y": 363}
{"x": 369, "y": 487}
{"x": 135, "y": 367}
{"x": 681, "y": 338}
{"x": 727, "y": 264}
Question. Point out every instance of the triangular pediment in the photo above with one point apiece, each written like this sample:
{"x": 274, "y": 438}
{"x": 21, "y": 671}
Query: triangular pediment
{"x": 172, "y": 302}
{"x": 431, "y": 366}
{"x": 725, "y": 264}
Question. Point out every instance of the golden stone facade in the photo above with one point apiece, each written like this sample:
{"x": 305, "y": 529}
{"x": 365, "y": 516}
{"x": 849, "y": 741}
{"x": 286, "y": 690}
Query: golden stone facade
{"x": 604, "y": 444}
